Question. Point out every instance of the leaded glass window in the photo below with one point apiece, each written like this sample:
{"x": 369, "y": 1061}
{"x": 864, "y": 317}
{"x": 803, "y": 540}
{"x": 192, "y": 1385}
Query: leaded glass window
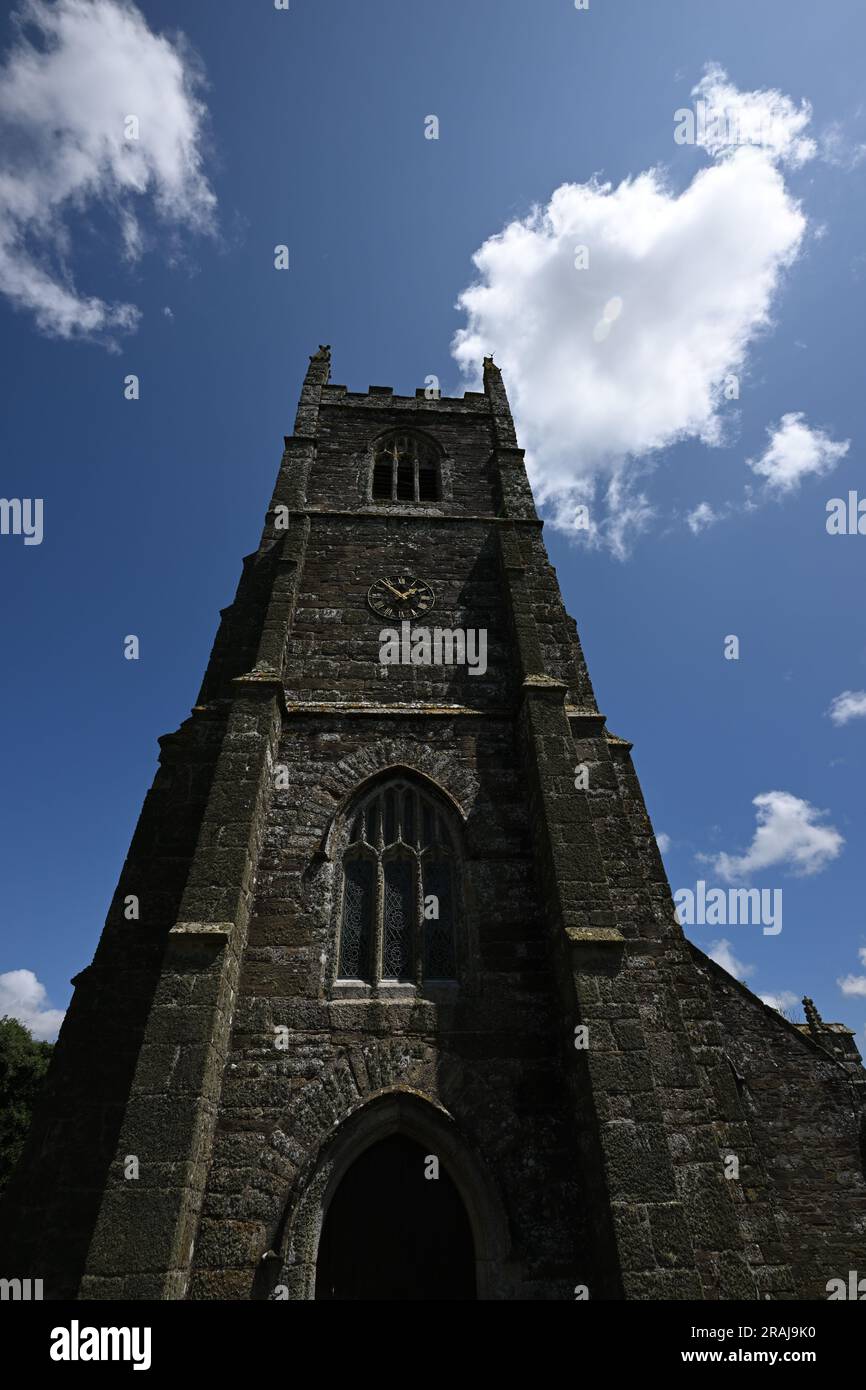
{"x": 405, "y": 469}
{"x": 398, "y": 916}
{"x": 359, "y": 882}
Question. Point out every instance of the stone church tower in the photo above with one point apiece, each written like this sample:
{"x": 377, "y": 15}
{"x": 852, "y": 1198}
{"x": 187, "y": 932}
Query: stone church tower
{"x": 391, "y": 1000}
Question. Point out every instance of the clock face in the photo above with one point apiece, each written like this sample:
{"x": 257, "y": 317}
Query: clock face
{"x": 400, "y": 596}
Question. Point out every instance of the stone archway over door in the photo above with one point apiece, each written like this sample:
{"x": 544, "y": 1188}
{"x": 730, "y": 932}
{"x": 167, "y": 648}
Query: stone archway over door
{"x": 396, "y": 1229}
{"x": 408, "y": 1116}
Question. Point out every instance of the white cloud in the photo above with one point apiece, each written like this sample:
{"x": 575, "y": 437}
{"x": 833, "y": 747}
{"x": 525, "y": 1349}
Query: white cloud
{"x": 22, "y": 996}
{"x": 855, "y": 984}
{"x": 784, "y": 1001}
{"x": 851, "y": 704}
{"x": 788, "y": 836}
{"x": 609, "y": 365}
{"x": 65, "y": 102}
{"x": 767, "y": 119}
{"x": 796, "y": 450}
{"x": 663, "y": 841}
{"x": 702, "y": 517}
{"x": 722, "y": 953}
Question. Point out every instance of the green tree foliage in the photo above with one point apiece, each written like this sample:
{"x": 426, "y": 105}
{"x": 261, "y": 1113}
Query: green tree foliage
{"x": 23, "y": 1064}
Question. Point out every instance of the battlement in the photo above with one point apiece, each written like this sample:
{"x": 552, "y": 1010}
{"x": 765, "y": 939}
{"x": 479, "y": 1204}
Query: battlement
{"x": 318, "y": 386}
{"x": 376, "y": 396}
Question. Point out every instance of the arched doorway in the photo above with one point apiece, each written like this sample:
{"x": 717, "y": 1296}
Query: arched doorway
{"x": 392, "y": 1233}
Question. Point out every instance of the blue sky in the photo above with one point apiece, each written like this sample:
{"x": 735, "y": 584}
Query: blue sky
{"x": 306, "y": 127}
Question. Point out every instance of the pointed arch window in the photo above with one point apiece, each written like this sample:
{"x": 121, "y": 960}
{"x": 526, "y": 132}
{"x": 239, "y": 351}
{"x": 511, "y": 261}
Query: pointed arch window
{"x": 405, "y": 469}
{"x": 398, "y": 903}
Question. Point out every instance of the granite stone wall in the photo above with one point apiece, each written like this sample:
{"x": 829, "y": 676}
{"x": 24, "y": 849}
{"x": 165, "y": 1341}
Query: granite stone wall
{"x": 804, "y": 1114}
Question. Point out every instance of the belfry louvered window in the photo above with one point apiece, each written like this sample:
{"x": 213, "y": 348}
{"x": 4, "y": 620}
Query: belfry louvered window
{"x": 397, "y": 916}
{"x": 405, "y": 469}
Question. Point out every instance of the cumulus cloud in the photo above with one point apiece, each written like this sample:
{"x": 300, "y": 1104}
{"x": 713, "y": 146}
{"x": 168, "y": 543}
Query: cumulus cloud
{"x": 788, "y": 836}
{"x": 609, "y": 364}
{"x": 24, "y": 997}
{"x": 851, "y": 704}
{"x": 855, "y": 984}
{"x": 766, "y": 119}
{"x": 663, "y": 841}
{"x": 795, "y": 451}
{"x": 722, "y": 953}
{"x": 96, "y": 112}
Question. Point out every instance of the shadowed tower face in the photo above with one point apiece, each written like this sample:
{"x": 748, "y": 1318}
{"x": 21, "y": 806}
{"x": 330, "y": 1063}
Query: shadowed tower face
{"x": 394, "y": 901}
